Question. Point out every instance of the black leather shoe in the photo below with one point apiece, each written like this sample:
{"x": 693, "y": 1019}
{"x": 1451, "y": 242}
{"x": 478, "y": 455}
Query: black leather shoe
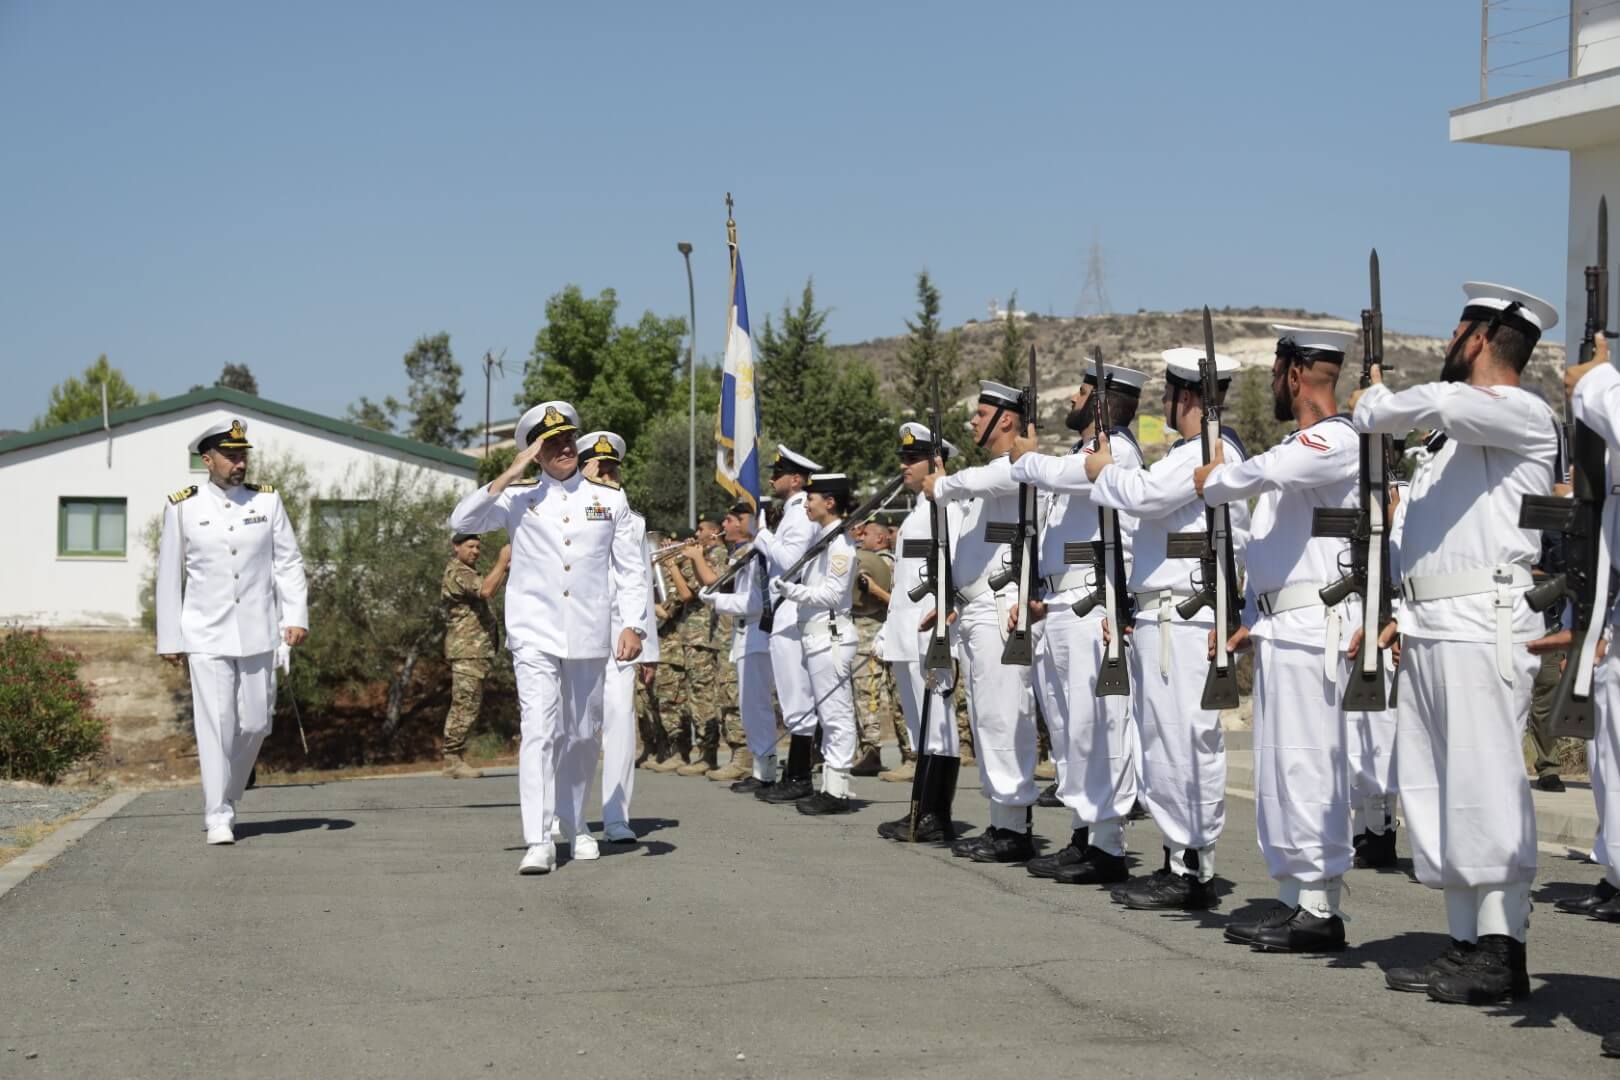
{"x": 964, "y": 849}
{"x": 929, "y": 829}
{"x": 1048, "y": 797}
{"x": 1242, "y": 931}
{"x": 749, "y": 784}
{"x": 1171, "y": 892}
{"x": 1416, "y": 980}
{"x": 1096, "y": 867}
{"x": 822, "y": 803}
{"x": 1494, "y": 971}
{"x": 1302, "y": 932}
{"x": 1004, "y": 846}
{"x": 1608, "y": 911}
{"x": 1550, "y": 782}
{"x": 1611, "y": 1044}
{"x": 1374, "y": 851}
{"x": 1047, "y": 866}
{"x": 1601, "y": 894}
{"x": 786, "y": 791}
{"x": 868, "y": 764}
{"x": 1138, "y": 811}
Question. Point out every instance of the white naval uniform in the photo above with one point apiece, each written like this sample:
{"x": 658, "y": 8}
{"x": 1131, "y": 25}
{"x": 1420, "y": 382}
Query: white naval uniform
{"x": 230, "y": 582}
{"x": 575, "y": 542}
{"x": 751, "y": 653}
{"x": 1183, "y": 774}
{"x": 1464, "y": 622}
{"x": 1596, "y": 403}
{"x": 822, "y": 599}
{"x": 1001, "y": 704}
{"x": 782, "y": 547}
{"x": 619, "y": 707}
{"x": 904, "y": 646}
{"x": 1094, "y": 743}
{"x": 1301, "y": 768}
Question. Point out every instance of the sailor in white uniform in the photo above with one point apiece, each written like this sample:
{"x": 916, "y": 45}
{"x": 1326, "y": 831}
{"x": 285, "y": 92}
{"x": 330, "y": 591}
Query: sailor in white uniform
{"x": 1465, "y": 674}
{"x": 782, "y": 547}
{"x": 575, "y": 543}
{"x": 1094, "y": 743}
{"x": 230, "y": 597}
{"x": 1183, "y": 771}
{"x": 1002, "y": 703}
{"x": 1301, "y": 773}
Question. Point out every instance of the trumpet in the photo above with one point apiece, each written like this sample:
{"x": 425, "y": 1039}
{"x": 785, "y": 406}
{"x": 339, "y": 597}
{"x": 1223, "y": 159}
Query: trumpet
{"x": 668, "y": 551}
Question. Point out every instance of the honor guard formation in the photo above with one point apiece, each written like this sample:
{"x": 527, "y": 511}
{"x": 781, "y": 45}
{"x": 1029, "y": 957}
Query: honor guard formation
{"x": 1396, "y": 630}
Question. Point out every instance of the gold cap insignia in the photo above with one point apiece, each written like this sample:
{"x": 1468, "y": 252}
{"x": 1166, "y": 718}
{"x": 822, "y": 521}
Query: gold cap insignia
{"x": 553, "y": 417}
{"x": 236, "y": 430}
{"x": 907, "y": 438}
{"x": 603, "y": 446}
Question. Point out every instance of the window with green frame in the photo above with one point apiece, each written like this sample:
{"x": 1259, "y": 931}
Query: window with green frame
{"x": 336, "y": 517}
{"x": 91, "y": 526}
{"x": 197, "y": 463}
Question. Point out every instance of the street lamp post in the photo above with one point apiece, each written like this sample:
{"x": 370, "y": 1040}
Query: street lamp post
{"x": 691, "y": 385}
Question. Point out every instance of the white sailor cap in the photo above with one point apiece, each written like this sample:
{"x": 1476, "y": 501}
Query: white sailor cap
{"x": 828, "y": 483}
{"x": 545, "y": 420}
{"x": 917, "y": 441}
{"x": 788, "y": 461}
{"x": 1316, "y": 339}
{"x": 1181, "y": 367}
{"x": 1490, "y": 303}
{"x": 1121, "y": 380}
{"x": 1002, "y": 397}
{"x": 601, "y": 444}
{"x": 225, "y": 435}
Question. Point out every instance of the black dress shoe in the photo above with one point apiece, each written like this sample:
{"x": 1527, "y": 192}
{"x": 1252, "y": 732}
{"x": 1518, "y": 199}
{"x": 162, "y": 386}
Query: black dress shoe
{"x": 1601, "y": 894}
{"x": 749, "y": 784}
{"x": 822, "y": 803}
{"x": 1138, "y": 811}
{"x": 1301, "y": 932}
{"x": 930, "y": 830}
{"x": 1048, "y": 797}
{"x": 1495, "y": 971}
{"x": 1096, "y": 867}
{"x": 964, "y": 849}
{"x": 1611, "y": 1044}
{"x": 1004, "y": 846}
{"x": 1172, "y": 892}
{"x": 868, "y": 764}
{"x": 1375, "y": 851}
{"x": 786, "y": 791}
{"x": 1608, "y": 911}
{"x": 1550, "y": 782}
{"x": 1117, "y": 893}
{"x": 1047, "y": 866}
{"x": 1416, "y": 980}
{"x": 1242, "y": 931}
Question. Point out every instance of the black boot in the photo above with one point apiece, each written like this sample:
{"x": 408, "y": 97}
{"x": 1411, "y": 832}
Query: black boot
{"x": 794, "y": 782}
{"x": 1172, "y": 891}
{"x": 1049, "y": 797}
{"x": 1047, "y": 866}
{"x": 1242, "y": 931}
{"x": 868, "y": 763}
{"x": 750, "y": 784}
{"x": 1494, "y": 971}
{"x": 1374, "y": 851}
{"x": 1117, "y": 893}
{"x": 1096, "y": 867}
{"x": 1601, "y": 894}
{"x": 1608, "y": 911}
{"x": 1611, "y": 1044}
{"x": 821, "y": 804}
{"x": 1416, "y": 980}
{"x": 1301, "y": 932}
{"x": 1004, "y": 846}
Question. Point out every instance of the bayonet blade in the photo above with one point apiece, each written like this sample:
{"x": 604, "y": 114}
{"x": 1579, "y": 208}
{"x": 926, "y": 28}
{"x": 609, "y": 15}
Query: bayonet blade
{"x": 1209, "y": 337}
{"x": 1372, "y": 271}
{"x": 1603, "y": 233}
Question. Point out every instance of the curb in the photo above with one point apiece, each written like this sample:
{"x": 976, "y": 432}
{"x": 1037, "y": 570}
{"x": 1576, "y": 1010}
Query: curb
{"x": 17, "y": 870}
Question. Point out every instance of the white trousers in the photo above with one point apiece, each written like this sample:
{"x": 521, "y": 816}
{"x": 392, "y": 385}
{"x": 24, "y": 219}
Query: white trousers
{"x": 834, "y": 701}
{"x": 1093, "y": 739}
{"x": 911, "y": 684}
{"x": 1603, "y": 757}
{"x": 792, "y": 680}
{"x": 1183, "y": 752}
{"x": 561, "y": 705}
{"x": 754, "y": 703}
{"x": 1372, "y": 762}
{"x": 232, "y": 699}
{"x": 618, "y": 740}
{"x": 1002, "y": 708}
{"x": 1301, "y": 767}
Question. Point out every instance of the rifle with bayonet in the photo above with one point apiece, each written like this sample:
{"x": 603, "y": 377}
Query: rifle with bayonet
{"x": 1584, "y": 581}
{"x": 1024, "y": 553}
{"x": 767, "y": 618}
{"x": 1367, "y": 528}
{"x": 1108, "y": 557}
{"x": 936, "y": 576}
{"x": 1217, "y": 577}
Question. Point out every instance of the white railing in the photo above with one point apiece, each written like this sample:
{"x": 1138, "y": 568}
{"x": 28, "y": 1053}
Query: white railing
{"x": 1524, "y": 44}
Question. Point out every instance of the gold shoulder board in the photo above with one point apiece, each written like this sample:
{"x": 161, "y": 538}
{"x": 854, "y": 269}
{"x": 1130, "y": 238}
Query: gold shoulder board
{"x": 183, "y": 494}
{"x": 263, "y": 489}
{"x": 602, "y": 483}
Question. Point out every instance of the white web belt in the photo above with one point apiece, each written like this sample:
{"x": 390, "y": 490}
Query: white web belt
{"x": 1507, "y": 581}
{"x": 1309, "y": 595}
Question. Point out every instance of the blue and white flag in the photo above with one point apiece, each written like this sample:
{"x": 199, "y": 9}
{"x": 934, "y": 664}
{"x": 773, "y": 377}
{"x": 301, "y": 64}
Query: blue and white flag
{"x": 736, "y": 464}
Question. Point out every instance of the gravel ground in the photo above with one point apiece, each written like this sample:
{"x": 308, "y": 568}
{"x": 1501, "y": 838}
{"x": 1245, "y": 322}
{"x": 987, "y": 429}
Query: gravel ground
{"x": 26, "y": 804}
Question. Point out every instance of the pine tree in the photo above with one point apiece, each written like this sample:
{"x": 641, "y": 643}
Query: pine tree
{"x": 435, "y": 394}
{"x": 79, "y": 397}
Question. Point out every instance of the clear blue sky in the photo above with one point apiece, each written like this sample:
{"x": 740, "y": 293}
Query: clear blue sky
{"x": 306, "y": 187}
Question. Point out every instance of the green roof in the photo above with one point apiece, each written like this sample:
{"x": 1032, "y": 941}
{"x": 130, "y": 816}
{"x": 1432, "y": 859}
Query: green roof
{"x": 249, "y": 403}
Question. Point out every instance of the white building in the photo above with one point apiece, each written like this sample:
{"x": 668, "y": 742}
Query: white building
{"x": 1573, "y": 106}
{"x": 80, "y": 496}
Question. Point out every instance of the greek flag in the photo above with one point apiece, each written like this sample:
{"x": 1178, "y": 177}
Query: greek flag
{"x": 736, "y": 464}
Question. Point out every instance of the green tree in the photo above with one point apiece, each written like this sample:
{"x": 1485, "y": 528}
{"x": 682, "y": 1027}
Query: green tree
{"x": 1249, "y": 405}
{"x": 378, "y": 416}
{"x": 787, "y": 355}
{"x": 1011, "y": 366}
{"x": 655, "y": 474}
{"x": 435, "y": 392}
{"x": 927, "y": 355}
{"x": 79, "y": 397}
{"x": 238, "y": 377}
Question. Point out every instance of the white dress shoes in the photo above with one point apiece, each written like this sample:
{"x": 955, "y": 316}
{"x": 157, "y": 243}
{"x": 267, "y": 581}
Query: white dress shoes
{"x": 617, "y": 832}
{"x": 584, "y": 848}
{"x": 221, "y": 834}
{"x": 539, "y": 859}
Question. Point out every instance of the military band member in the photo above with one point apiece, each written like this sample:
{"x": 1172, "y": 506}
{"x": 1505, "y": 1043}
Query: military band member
{"x": 1001, "y": 702}
{"x": 711, "y": 681}
{"x": 1183, "y": 766}
{"x": 1301, "y": 773}
{"x": 230, "y": 597}
{"x": 1465, "y": 676}
{"x": 1093, "y": 738}
{"x": 682, "y": 681}
{"x": 574, "y": 543}
{"x": 822, "y": 595}
{"x": 782, "y": 546}
{"x": 472, "y": 639}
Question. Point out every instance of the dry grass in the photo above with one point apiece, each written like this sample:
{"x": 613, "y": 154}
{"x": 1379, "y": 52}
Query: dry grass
{"x": 29, "y": 834}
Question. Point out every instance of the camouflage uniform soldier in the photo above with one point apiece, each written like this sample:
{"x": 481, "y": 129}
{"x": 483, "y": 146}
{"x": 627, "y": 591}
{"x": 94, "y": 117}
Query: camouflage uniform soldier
{"x": 668, "y": 707}
{"x": 471, "y": 638}
{"x": 707, "y": 663}
{"x": 731, "y": 726}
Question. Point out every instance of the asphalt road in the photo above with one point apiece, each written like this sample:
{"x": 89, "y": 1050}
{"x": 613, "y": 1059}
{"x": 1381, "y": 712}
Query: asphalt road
{"x": 379, "y": 929}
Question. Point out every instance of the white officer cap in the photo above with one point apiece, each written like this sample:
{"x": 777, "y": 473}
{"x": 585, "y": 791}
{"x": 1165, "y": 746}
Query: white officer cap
{"x": 999, "y": 395}
{"x": 601, "y": 444}
{"x": 225, "y": 435}
{"x": 917, "y": 441}
{"x": 1122, "y": 380}
{"x": 545, "y": 420}
{"x": 1530, "y": 315}
{"x": 1316, "y": 339}
{"x": 788, "y": 461}
{"x": 1181, "y": 368}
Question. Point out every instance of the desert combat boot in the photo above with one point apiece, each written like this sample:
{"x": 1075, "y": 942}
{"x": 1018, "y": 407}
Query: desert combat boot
{"x": 739, "y": 767}
{"x": 456, "y": 768}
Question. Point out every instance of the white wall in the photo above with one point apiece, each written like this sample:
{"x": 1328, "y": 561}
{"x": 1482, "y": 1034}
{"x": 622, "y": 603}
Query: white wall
{"x": 149, "y": 461}
{"x": 1597, "y": 36}
{"x": 1593, "y": 172}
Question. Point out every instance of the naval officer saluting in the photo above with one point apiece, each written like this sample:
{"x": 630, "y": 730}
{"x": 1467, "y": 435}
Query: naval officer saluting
{"x": 230, "y": 595}
{"x": 575, "y": 544}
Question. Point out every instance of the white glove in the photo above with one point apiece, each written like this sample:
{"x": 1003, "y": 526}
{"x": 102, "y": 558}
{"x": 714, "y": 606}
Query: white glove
{"x": 778, "y": 587}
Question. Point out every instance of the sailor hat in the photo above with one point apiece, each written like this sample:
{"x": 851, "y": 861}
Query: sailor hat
{"x": 225, "y": 435}
{"x": 545, "y": 420}
{"x": 1315, "y": 339}
{"x": 917, "y": 441}
{"x": 1121, "y": 380}
{"x": 1488, "y": 303}
{"x": 788, "y": 461}
{"x": 600, "y": 445}
{"x": 1181, "y": 368}
{"x": 1002, "y": 397}
{"x": 828, "y": 483}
